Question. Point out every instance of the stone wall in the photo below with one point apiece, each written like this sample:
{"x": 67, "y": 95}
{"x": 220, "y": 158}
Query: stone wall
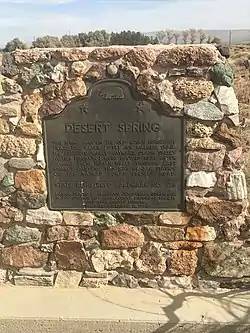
{"x": 207, "y": 247}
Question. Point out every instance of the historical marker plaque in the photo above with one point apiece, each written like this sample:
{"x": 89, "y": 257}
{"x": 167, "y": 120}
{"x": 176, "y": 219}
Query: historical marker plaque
{"x": 113, "y": 151}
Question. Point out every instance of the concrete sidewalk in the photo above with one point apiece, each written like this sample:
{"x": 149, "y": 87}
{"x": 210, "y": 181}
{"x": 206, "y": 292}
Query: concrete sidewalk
{"x": 118, "y": 310}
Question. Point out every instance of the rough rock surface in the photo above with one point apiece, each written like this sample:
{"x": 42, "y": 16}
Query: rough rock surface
{"x": 121, "y": 237}
{"x": 151, "y": 260}
{"x": 203, "y": 110}
{"x": 201, "y": 234}
{"x": 112, "y": 259}
{"x": 23, "y": 256}
{"x": 153, "y": 249}
{"x": 183, "y": 262}
{"x": 18, "y": 234}
{"x": 43, "y": 216}
{"x": 201, "y": 179}
{"x": 71, "y": 256}
{"x": 68, "y": 279}
{"x": 204, "y": 161}
{"x": 191, "y": 90}
{"x": 164, "y": 234}
{"x": 214, "y": 210}
{"x": 174, "y": 218}
{"x": 32, "y": 181}
{"x": 227, "y": 260}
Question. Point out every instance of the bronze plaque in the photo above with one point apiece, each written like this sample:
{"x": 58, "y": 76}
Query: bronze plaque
{"x": 114, "y": 151}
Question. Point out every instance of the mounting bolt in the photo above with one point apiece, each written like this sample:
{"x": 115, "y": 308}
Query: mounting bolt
{"x": 112, "y": 69}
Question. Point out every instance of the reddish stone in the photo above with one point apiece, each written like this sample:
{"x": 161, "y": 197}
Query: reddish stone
{"x": 108, "y": 53}
{"x": 141, "y": 57}
{"x": 73, "y": 88}
{"x": 121, "y": 236}
{"x": 139, "y": 218}
{"x": 202, "y": 234}
{"x": 8, "y": 213}
{"x": 52, "y": 107}
{"x": 222, "y": 179}
{"x": 146, "y": 84}
{"x": 71, "y": 256}
{"x": 32, "y": 181}
{"x": 228, "y": 135}
{"x": 187, "y": 56}
{"x": 71, "y": 54}
{"x": 58, "y": 232}
{"x": 19, "y": 256}
{"x": 183, "y": 262}
{"x": 215, "y": 210}
{"x": 200, "y": 161}
{"x": 96, "y": 72}
{"x": 183, "y": 245}
{"x": 31, "y": 105}
{"x": 234, "y": 159}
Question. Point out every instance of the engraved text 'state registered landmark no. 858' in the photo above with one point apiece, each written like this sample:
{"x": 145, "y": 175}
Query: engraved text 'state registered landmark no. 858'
{"x": 114, "y": 151}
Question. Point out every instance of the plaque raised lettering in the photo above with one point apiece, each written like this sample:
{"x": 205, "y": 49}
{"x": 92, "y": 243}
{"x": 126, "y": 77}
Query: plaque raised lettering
{"x": 114, "y": 151}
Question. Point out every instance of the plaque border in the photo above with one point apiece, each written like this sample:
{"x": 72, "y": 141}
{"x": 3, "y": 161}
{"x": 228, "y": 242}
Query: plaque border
{"x": 137, "y": 96}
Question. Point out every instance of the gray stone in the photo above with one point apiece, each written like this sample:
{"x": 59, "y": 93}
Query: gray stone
{"x": 37, "y": 281}
{"x": 104, "y": 220}
{"x": 235, "y": 119}
{"x": 125, "y": 280}
{"x": 164, "y": 234}
{"x": 8, "y": 180}
{"x": 236, "y": 186}
{"x": 30, "y": 200}
{"x": 10, "y": 86}
{"x": 9, "y": 67}
{"x": 243, "y": 283}
{"x": 18, "y": 234}
{"x": 3, "y": 170}
{"x": 175, "y": 282}
{"x": 203, "y": 110}
{"x": 201, "y": 179}
{"x": 40, "y": 159}
{"x": 47, "y": 248}
{"x": 5, "y": 191}
{"x": 222, "y": 74}
{"x": 68, "y": 279}
{"x": 93, "y": 282}
{"x": 204, "y": 284}
{"x": 21, "y": 163}
{"x": 33, "y": 272}
{"x": 3, "y": 276}
{"x": 226, "y": 260}
{"x": 43, "y": 216}
{"x": 7, "y": 98}
{"x": 11, "y": 109}
{"x": 91, "y": 244}
{"x": 227, "y": 100}
{"x": 177, "y": 72}
{"x": 151, "y": 260}
{"x": 167, "y": 95}
{"x": 103, "y": 275}
{"x": 148, "y": 283}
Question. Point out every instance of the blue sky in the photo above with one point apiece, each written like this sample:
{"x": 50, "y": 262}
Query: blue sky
{"x": 28, "y": 18}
